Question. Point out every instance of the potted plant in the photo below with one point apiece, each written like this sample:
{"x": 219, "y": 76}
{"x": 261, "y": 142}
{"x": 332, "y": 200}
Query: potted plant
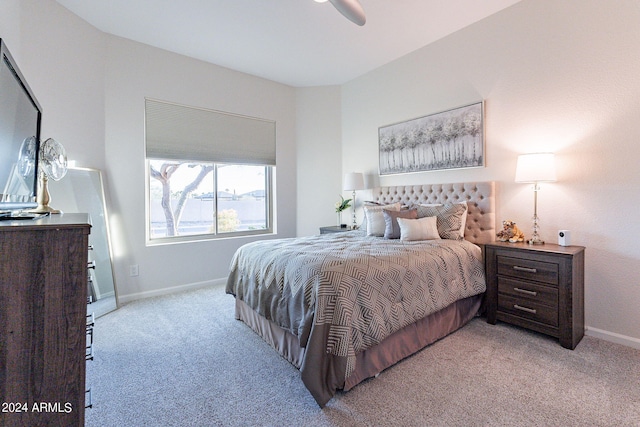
{"x": 340, "y": 206}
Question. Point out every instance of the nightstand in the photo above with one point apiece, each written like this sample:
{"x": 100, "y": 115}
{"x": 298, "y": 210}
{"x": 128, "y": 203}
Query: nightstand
{"x": 538, "y": 287}
{"x": 333, "y": 229}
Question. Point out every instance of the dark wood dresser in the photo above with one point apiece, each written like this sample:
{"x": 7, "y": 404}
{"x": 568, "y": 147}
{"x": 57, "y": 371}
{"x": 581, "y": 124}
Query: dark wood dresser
{"x": 43, "y": 307}
{"x": 539, "y": 287}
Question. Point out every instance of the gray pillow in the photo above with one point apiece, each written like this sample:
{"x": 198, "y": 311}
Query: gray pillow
{"x": 392, "y": 228}
{"x": 375, "y": 219}
{"x": 449, "y": 218}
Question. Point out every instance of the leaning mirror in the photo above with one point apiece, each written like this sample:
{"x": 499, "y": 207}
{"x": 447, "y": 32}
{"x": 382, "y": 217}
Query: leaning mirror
{"x": 81, "y": 190}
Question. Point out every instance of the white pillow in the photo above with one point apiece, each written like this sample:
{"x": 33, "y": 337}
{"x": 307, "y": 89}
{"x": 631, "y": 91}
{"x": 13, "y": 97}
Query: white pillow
{"x": 418, "y": 229}
{"x": 376, "y": 224}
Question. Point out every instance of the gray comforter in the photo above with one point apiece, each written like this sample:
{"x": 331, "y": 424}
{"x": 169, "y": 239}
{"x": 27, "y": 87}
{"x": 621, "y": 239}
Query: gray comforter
{"x": 358, "y": 290}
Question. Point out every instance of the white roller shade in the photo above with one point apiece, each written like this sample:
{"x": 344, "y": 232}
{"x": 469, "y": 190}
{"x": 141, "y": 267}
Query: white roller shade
{"x": 187, "y": 133}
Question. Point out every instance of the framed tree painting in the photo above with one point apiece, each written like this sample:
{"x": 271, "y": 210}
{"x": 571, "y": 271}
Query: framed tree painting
{"x": 450, "y": 139}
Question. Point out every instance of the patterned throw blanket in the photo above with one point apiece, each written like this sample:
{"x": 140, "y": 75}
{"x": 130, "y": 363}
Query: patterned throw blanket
{"x": 365, "y": 288}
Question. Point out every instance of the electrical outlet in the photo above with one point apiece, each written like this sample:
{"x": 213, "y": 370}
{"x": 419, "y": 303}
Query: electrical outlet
{"x": 134, "y": 270}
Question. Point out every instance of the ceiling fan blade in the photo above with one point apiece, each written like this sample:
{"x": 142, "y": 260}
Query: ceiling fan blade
{"x": 351, "y": 9}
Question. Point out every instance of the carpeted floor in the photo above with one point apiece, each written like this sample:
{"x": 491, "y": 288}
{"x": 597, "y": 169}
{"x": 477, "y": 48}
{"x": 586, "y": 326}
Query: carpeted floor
{"x": 183, "y": 360}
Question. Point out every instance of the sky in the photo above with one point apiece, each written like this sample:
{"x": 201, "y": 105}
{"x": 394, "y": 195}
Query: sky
{"x": 233, "y": 178}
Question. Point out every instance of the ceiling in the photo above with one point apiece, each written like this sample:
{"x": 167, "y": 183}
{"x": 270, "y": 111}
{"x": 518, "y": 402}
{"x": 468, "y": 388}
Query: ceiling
{"x": 296, "y": 42}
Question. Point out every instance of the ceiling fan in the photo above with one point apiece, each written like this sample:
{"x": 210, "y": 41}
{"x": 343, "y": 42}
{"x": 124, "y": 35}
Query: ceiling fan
{"x": 351, "y": 9}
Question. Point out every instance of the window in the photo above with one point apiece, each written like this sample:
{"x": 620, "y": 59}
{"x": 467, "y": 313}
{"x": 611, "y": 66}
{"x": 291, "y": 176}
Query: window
{"x": 187, "y": 199}
{"x": 209, "y": 173}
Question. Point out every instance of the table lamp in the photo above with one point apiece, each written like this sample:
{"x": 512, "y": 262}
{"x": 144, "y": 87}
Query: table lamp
{"x": 535, "y": 168}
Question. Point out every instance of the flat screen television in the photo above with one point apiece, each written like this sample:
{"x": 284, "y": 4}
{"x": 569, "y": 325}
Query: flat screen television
{"x": 20, "y": 118}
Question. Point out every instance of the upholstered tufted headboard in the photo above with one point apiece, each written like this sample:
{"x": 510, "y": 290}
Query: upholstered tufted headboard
{"x": 480, "y": 197}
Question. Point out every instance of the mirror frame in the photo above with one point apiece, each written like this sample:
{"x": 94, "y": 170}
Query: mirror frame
{"x": 105, "y": 214}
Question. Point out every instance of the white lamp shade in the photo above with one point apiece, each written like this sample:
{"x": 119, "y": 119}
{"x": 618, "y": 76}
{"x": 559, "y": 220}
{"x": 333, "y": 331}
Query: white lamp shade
{"x": 536, "y": 167}
{"x": 353, "y": 181}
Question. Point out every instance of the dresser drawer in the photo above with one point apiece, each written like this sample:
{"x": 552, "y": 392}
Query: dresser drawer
{"x": 528, "y": 269}
{"x": 528, "y": 291}
{"x": 528, "y": 309}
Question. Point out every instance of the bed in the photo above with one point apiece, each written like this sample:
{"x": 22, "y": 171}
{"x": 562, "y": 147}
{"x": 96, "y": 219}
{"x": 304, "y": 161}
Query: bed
{"x": 343, "y": 307}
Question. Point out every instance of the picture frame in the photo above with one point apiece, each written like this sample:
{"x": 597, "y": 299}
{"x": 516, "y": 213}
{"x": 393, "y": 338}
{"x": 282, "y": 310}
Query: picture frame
{"x": 450, "y": 139}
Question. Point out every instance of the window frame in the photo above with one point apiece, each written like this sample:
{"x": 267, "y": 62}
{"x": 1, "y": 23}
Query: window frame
{"x": 216, "y": 235}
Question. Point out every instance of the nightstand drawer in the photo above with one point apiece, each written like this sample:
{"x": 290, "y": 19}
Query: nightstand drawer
{"x": 528, "y": 310}
{"x": 528, "y": 291}
{"x": 540, "y": 271}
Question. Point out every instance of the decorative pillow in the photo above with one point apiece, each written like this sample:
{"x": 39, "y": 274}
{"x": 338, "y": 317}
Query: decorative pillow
{"x": 375, "y": 220}
{"x": 464, "y": 215}
{"x": 449, "y": 219}
{"x": 392, "y": 229}
{"x": 418, "y": 229}
{"x": 463, "y": 222}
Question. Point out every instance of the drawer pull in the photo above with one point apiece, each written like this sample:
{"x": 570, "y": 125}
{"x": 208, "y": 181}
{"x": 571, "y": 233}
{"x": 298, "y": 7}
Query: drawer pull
{"x": 88, "y": 401}
{"x": 528, "y": 310}
{"x": 525, "y": 269}
{"x": 526, "y": 292}
{"x": 88, "y": 352}
{"x": 91, "y": 320}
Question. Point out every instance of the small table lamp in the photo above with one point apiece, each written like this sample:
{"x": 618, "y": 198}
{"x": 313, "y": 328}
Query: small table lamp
{"x": 536, "y": 168}
{"x": 353, "y": 181}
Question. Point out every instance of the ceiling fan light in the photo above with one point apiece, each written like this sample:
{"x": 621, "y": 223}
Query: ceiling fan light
{"x": 351, "y": 9}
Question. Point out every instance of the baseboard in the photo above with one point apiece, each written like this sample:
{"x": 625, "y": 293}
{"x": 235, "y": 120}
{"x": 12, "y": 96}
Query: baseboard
{"x": 124, "y": 299}
{"x": 106, "y": 294}
{"x": 613, "y": 337}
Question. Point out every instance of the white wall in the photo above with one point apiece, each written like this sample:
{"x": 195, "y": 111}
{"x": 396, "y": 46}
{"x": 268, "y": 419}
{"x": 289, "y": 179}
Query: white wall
{"x": 135, "y": 71}
{"x": 556, "y": 76}
{"x": 92, "y": 88}
{"x": 10, "y": 24}
{"x": 62, "y": 59}
{"x": 319, "y": 148}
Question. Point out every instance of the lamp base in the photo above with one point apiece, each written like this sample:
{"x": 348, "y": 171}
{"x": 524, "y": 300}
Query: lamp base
{"x": 535, "y": 240}
{"x": 535, "y": 237}
{"x": 43, "y": 198}
{"x": 354, "y": 224}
